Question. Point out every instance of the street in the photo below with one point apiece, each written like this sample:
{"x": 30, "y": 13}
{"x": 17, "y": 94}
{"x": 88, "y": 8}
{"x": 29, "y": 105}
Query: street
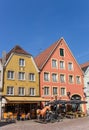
{"x": 66, "y": 124}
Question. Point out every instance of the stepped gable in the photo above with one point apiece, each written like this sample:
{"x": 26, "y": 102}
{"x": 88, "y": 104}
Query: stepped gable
{"x": 43, "y": 57}
{"x": 17, "y": 49}
{"x": 84, "y": 66}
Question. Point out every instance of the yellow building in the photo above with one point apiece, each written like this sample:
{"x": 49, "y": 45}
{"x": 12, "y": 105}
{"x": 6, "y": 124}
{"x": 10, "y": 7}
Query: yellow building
{"x": 20, "y": 82}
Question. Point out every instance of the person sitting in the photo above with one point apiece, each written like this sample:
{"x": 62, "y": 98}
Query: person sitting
{"x": 23, "y": 116}
{"x": 27, "y": 116}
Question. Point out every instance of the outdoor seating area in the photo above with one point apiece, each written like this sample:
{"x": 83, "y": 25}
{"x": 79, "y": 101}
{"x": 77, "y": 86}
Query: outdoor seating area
{"x": 75, "y": 114}
{"x": 53, "y": 111}
{"x": 9, "y": 116}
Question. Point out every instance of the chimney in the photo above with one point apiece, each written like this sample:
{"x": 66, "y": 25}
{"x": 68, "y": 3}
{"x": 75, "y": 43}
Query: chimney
{"x": 3, "y": 57}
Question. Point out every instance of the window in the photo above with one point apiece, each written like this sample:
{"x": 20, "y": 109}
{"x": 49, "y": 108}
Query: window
{"x": 78, "y": 79}
{"x": 0, "y": 75}
{"x": 46, "y": 90}
{"x": 87, "y": 84}
{"x": 32, "y": 91}
{"x": 62, "y": 78}
{"x": 63, "y": 92}
{"x": 10, "y": 74}
{"x": 54, "y": 90}
{"x": 70, "y": 66}
{"x": 21, "y": 76}
{"x": 46, "y": 76}
{"x": 10, "y": 90}
{"x": 21, "y": 62}
{"x": 62, "y": 64}
{"x": 70, "y": 78}
{"x": 54, "y": 63}
{"x": 61, "y": 52}
{"x": 21, "y": 91}
{"x": 54, "y": 77}
{"x": 32, "y": 77}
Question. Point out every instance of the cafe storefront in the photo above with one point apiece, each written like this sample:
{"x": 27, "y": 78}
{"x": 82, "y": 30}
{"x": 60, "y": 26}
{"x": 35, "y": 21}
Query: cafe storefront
{"x": 23, "y": 104}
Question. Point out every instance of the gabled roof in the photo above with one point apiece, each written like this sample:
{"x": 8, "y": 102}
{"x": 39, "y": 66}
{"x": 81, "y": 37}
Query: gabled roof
{"x": 17, "y": 49}
{"x": 84, "y": 66}
{"x": 43, "y": 57}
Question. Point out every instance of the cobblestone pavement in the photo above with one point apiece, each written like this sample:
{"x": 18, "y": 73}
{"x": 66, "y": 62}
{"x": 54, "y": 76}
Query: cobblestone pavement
{"x": 66, "y": 124}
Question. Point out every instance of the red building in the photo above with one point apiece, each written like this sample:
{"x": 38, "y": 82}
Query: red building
{"x": 60, "y": 75}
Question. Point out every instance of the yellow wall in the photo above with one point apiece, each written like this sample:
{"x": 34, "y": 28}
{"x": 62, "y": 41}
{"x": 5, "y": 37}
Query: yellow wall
{"x": 13, "y": 65}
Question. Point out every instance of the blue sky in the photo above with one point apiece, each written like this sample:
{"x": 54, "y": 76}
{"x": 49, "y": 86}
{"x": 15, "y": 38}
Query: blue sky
{"x": 36, "y": 24}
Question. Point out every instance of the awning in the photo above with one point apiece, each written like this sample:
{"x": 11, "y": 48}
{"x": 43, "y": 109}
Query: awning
{"x": 25, "y": 99}
{"x": 66, "y": 102}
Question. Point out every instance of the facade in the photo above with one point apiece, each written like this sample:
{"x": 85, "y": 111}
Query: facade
{"x": 1, "y": 84}
{"x": 85, "y": 68}
{"x": 60, "y": 75}
{"x": 20, "y": 89}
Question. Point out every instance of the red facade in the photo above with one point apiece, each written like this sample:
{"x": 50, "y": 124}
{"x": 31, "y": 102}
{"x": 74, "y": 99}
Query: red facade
{"x": 60, "y": 75}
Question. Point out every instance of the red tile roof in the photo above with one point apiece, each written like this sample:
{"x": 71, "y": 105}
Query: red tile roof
{"x": 43, "y": 57}
{"x": 84, "y": 66}
{"x": 17, "y": 49}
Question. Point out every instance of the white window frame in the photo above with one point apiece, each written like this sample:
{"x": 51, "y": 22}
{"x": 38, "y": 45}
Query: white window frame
{"x": 21, "y": 91}
{"x": 62, "y": 65}
{"x": 70, "y": 66}
{"x": 62, "y": 78}
{"x": 32, "y": 91}
{"x": 62, "y": 91}
{"x": 10, "y": 74}
{"x": 54, "y": 77}
{"x": 71, "y": 79}
{"x": 46, "y": 76}
{"x": 55, "y": 90}
{"x": 31, "y": 76}
{"x": 10, "y": 90}
{"x": 46, "y": 90}
{"x": 21, "y": 62}
{"x": 54, "y": 63}
{"x": 21, "y": 75}
{"x": 78, "y": 79}
{"x": 87, "y": 84}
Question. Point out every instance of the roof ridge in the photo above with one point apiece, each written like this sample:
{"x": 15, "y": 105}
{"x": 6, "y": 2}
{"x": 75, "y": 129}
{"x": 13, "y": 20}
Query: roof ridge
{"x": 17, "y": 49}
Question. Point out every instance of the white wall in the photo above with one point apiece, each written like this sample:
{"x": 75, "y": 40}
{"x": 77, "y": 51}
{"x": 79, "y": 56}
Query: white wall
{"x": 1, "y": 77}
{"x": 86, "y": 87}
